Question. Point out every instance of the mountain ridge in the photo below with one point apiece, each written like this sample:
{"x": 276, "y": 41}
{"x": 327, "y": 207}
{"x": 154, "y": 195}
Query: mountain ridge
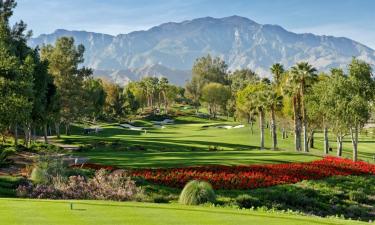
{"x": 240, "y": 41}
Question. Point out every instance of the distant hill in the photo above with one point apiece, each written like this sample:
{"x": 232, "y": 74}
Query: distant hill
{"x": 170, "y": 49}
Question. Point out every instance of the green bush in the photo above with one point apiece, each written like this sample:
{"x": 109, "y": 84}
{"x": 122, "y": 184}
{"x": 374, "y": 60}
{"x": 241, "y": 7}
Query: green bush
{"x": 160, "y": 199}
{"x": 247, "y": 201}
{"x": 47, "y": 167}
{"x": 197, "y": 192}
{"x": 5, "y": 153}
{"x": 39, "y": 175}
{"x": 358, "y": 196}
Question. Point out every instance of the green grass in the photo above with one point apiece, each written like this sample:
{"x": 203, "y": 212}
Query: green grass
{"x": 43, "y": 212}
{"x": 186, "y": 143}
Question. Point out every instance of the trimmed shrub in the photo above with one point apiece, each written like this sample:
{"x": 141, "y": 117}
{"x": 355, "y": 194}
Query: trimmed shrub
{"x": 197, "y": 192}
{"x": 160, "y": 199}
{"x": 247, "y": 201}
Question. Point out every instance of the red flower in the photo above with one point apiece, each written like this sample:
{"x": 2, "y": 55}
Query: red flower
{"x": 256, "y": 176}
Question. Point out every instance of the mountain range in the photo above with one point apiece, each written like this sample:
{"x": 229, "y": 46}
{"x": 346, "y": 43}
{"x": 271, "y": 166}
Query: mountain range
{"x": 170, "y": 49}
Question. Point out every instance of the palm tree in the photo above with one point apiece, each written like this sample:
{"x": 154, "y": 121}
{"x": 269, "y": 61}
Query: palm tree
{"x": 274, "y": 103}
{"x": 277, "y": 70}
{"x": 163, "y": 86}
{"x": 302, "y": 75}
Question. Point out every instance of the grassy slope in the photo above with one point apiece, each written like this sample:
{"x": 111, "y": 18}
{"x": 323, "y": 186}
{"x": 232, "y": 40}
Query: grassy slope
{"x": 18, "y": 211}
{"x": 187, "y": 143}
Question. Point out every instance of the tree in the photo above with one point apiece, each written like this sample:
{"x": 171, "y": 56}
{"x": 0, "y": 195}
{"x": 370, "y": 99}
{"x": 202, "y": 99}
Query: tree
{"x": 16, "y": 72}
{"x": 238, "y": 80}
{"x": 131, "y": 104}
{"x": 216, "y": 96}
{"x": 362, "y": 92}
{"x": 277, "y": 70}
{"x": 319, "y": 108}
{"x": 151, "y": 84}
{"x": 95, "y": 97}
{"x": 255, "y": 96}
{"x": 273, "y": 102}
{"x": 114, "y": 101}
{"x": 171, "y": 93}
{"x": 194, "y": 91}
{"x": 210, "y": 69}
{"x": 206, "y": 70}
{"x": 300, "y": 78}
{"x": 44, "y": 95}
{"x": 138, "y": 90}
{"x": 64, "y": 59}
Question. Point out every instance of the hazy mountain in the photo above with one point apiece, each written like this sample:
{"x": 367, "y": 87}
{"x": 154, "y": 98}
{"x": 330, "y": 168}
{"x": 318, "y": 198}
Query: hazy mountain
{"x": 171, "y": 48}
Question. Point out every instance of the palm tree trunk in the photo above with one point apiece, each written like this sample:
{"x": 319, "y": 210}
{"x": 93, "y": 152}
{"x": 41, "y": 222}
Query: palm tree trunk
{"x": 274, "y": 133}
{"x": 297, "y": 134}
{"x": 261, "y": 127}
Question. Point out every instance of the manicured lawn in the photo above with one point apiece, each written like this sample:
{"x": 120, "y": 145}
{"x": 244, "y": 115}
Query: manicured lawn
{"x": 187, "y": 143}
{"x": 43, "y": 212}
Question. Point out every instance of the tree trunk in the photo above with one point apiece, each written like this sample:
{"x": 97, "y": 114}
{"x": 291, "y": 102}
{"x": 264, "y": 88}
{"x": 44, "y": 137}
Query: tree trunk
{"x": 312, "y": 139}
{"x": 57, "y": 128}
{"x": 34, "y": 133}
{"x": 339, "y": 145}
{"x": 297, "y": 134}
{"x": 45, "y": 133}
{"x": 354, "y": 136}
{"x": 30, "y": 134}
{"x": 261, "y": 127}
{"x": 15, "y": 134}
{"x": 274, "y": 132}
{"x": 326, "y": 143}
{"x": 305, "y": 141}
{"x": 283, "y": 132}
{"x": 67, "y": 131}
{"x": 26, "y": 138}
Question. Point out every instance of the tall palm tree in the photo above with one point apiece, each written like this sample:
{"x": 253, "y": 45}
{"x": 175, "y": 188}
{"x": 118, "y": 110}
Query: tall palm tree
{"x": 277, "y": 70}
{"x": 273, "y": 102}
{"x": 302, "y": 75}
{"x": 291, "y": 90}
{"x": 163, "y": 86}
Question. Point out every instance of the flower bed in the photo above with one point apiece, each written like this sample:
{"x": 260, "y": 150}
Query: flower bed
{"x": 256, "y": 176}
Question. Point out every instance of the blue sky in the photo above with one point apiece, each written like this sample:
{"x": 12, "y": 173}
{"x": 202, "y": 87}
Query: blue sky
{"x": 354, "y": 19}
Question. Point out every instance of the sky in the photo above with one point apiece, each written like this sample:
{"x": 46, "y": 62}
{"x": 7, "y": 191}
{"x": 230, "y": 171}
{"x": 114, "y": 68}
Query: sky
{"x": 354, "y": 19}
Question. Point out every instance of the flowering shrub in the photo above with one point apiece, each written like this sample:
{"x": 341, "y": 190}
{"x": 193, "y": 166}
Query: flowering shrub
{"x": 255, "y": 176}
{"x": 114, "y": 186}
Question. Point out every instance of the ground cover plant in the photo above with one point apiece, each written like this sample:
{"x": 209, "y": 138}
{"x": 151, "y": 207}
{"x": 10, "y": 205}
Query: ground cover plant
{"x": 343, "y": 196}
{"x": 256, "y": 176}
